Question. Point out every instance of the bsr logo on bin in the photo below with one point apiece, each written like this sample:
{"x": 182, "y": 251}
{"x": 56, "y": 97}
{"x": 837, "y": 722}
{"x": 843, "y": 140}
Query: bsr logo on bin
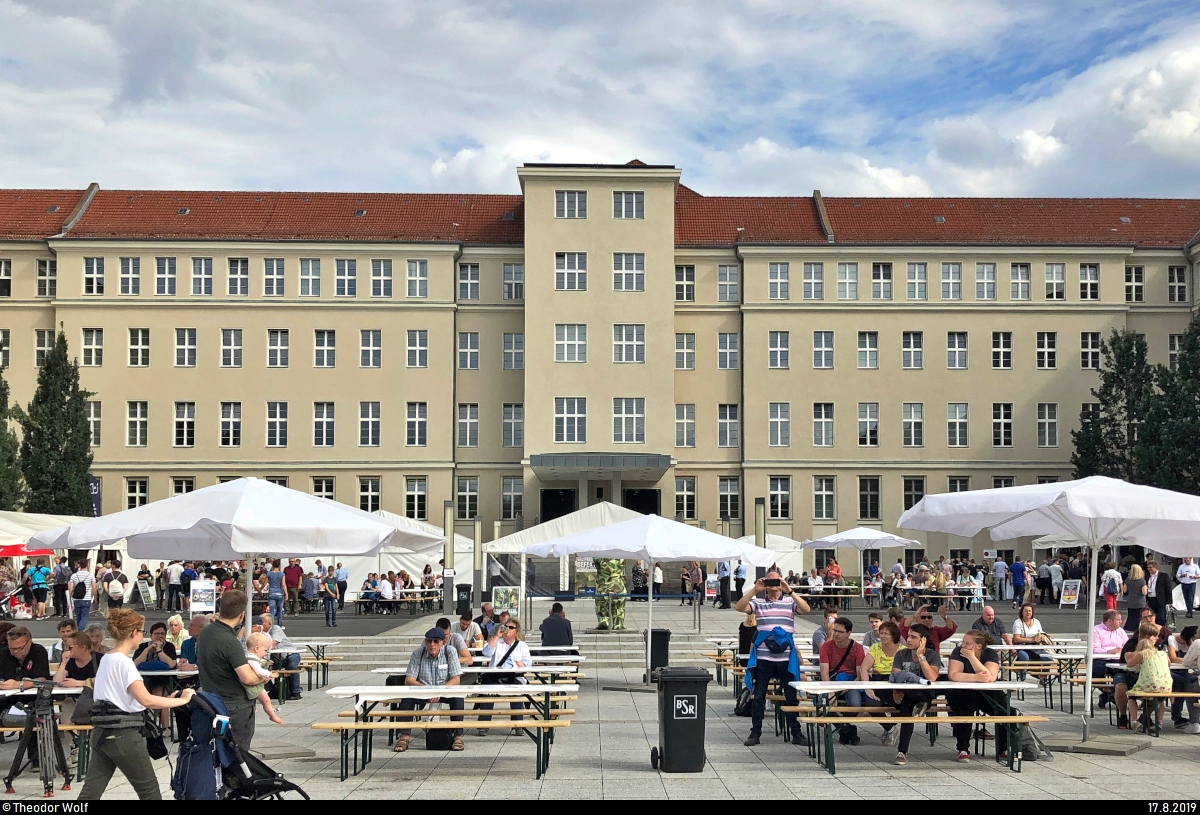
{"x": 685, "y": 707}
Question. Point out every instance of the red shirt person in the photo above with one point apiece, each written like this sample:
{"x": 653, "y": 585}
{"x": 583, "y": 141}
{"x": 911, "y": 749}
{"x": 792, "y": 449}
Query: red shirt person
{"x": 841, "y": 658}
{"x": 937, "y": 633}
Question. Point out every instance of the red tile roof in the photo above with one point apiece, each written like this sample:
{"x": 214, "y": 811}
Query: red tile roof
{"x": 702, "y": 220}
{"x": 35, "y": 214}
{"x": 303, "y": 216}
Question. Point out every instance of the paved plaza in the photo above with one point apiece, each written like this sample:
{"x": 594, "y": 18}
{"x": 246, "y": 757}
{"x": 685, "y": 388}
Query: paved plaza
{"x": 605, "y": 752}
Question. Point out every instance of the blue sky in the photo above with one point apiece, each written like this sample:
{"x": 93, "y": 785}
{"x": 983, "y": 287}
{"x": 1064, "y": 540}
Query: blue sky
{"x": 876, "y": 97}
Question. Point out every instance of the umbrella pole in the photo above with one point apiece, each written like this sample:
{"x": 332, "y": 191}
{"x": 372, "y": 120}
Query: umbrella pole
{"x": 249, "y": 563}
{"x": 1091, "y": 621}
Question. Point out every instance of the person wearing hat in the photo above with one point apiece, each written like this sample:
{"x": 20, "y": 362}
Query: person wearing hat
{"x": 432, "y": 664}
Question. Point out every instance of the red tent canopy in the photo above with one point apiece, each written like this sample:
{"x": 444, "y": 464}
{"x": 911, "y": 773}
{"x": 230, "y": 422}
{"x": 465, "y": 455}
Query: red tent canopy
{"x": 19, "y": 550}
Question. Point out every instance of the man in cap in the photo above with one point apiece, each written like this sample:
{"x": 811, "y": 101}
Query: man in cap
{"x": 432, "y": 664}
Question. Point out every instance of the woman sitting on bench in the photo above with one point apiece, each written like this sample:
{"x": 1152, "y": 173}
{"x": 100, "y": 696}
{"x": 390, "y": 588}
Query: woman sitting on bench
{"x": 1155, "y": 673}
{"x": 974, "y": 661}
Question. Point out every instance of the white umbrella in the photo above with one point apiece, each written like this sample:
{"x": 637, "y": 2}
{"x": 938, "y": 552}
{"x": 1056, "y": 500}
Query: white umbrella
{"x": 1096, "y": 511}
{"x": 652, "y": 538}
{"x": 860, "y": 538}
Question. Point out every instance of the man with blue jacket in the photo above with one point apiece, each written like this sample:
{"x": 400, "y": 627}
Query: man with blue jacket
{"x": 774, "y": 655}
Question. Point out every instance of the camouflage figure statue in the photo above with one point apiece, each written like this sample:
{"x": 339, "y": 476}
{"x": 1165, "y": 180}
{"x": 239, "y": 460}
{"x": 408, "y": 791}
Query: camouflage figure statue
{"x": 610, "y": 579}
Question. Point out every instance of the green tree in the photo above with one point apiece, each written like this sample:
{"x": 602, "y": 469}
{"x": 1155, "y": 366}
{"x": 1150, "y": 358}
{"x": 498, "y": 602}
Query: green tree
{"x": 55, "y": 442}
{"x": 1107, "y": 445}
{"x": 11, "y": 488}
{"x": 1168, "y": 454}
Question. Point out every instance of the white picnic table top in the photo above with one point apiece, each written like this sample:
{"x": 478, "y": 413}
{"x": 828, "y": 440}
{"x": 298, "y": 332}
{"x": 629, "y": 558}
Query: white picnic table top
{"x": 1121, "y": 666}
{"x": 820, "y": 688}
{"x": 484, "y": 669}
{"x": 1032, "y": 647}
{"x": 179, "y": 673}
{"x": 316, "y": 643}
{"x": 391, "y": 693}
{"x": 535, "y": 648}
{"x": 56, "y": 691}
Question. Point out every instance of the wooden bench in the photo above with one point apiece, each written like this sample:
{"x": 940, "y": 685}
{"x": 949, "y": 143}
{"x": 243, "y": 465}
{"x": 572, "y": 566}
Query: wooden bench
{"x": 1149, "y": 721}
{"x": 82, "y": 747}
{"x": 1102, "y": 683}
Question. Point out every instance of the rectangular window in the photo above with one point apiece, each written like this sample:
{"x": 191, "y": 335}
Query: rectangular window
{"x": 514, "y": 281}
{"x": 814, "y": 281}
{"x": 1047, "y": 424}
{"x": 868, "y": 424}
{"x": 131, "y": 276}
{"x": 956, "y": 424}
{"x": 310, "y": 277}
{"x": 5, "y": 347}
{"x": 93, "y": 420}
{"x": 570, "y": 420}
{"x": 93, "y": 347}
{"x": 727, "y": 284}
{"x": 368, "y": 424}
{"x": 913, "y": 416}
{"x": 685, "y": 284}
{"x": 323, "y": 487}
{"x": 685, "y": 352}
{"x": 202, "y": 277}
{"x": 868, "y": 349}
{"x": 1001, "y": 482}
{"x": 727, "y": 352}
{"x": 777, "y": 281}
{"x": 779, "y": 424}
{"x": 685, "y": 499}
{"x": 1174, "y": 346}
{"x": 824, "y": 498}
{"x": 917, "y": 282}
{"x": 182, "y": 486}
{"x": 1089, "y": 412}
{"x": 1020, "y": 281}
{"x": 1089, "y": 350}
{"x": 1089, "y": 281}
{"x": 468, "y": 350}
{"x": 277, "y": 480}
{"x": 629, "y": 205}
{"x": 570, "y": 342}
{"x": 512, "y": 429}
{"x": 822, "y": 349}
{"x": 415, "y": 491}
{"x": 514, "y": 352}
{"x": 1135, "y": 278}
{"x": 1002, "y": 349}
{"x": 629, "y": 343}
{"x": 468, "y": 498}
{"x": 93, "y": 276}
{"x": 368, "y": 493}
{"x": 629, "y": 271}
{"x": 685, "y": 425}
{"x": 958, "y": 483}
{"x": 47, "y": 278}
{"x": 985, "y": 281}
{"x": 137, "y": 492}
{"x": 729, "y": 498}
{"x": 1176, "y": 284}
{"x": 727, "y": 426}
{"x": 185, "y": 424}
{"x": 956, "y": 349}
{"x": 138, "y": 424}
{"x": 1056, "y": 281}
{"x": 139, "y": 347}
{"x": 345, "y": 277}
{"x": 468, "y": 281}
{"x": 868, "y": 498}
{"x": 323, "y": 424}
{"x": 416, "y": 429}
{"x": 273, "y": 277}
{"x": 1047, "y": 350}
{"x": 381, "y": 278}
{"x": 912, "y": 351}
{"x": 570, "y": 204}
{"x": 239, "y": 276}
{"x": 277, "y": 424}
{"x": 779, "y": 505}
{"x": 777, "y": 349}
{"x": 418, "y": 278}
{"x": 231, "y": 424}
{"x": 231, "y": 347}
{"x": 370, "y": 348}
{"x": 418, "y": 348}
{"x": 1002, "y": 424}
{"x": 914, "y": 491}
{"x": 881, "y": 281}
{"x": 324, "y": 348}
{"x": 823, "y": 424}
{"x": 629, "y": 420}
{"x": 468, "y": 425}
{"x": 951, "y": 281}
{"x": 570, "y": 271}
{"x": 277, "y": 347}
{"x": 185, "y": 348}
{"x": 512, "y": 497}
{"x": 43, "y": 342}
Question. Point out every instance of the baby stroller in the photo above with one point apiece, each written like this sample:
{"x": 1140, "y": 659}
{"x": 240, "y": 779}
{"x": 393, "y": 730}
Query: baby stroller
{"x": 212, "y": 766}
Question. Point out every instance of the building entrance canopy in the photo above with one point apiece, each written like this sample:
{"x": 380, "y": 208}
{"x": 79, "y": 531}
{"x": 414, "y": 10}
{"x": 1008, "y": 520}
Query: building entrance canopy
{"x": 599, "y": 466}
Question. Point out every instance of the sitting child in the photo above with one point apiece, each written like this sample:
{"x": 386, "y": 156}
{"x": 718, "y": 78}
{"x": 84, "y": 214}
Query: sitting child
{"x": 257, "y": 646}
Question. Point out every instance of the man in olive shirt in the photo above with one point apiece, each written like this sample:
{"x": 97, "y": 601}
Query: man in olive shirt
{"x": 221, "y": 659}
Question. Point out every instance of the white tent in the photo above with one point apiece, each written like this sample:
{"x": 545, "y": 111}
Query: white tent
{"x": 590, "y": 517}
{"x": 652, "y": 538}
{"x": 1097, "y": 511}
{"x": 18, "y": 527}
{"x": 789, "y": 554}
{"x": 860, "y": 538}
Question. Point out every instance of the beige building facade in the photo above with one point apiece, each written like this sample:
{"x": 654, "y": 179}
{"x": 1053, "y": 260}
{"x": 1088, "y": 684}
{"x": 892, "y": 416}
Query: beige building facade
{"x": 609, "y": 334}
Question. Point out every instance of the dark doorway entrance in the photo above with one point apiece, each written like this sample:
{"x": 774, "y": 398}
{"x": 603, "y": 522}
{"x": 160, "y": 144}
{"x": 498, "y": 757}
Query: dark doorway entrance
{"x": 557, "y": 503}
{"x": 643, "y": 501}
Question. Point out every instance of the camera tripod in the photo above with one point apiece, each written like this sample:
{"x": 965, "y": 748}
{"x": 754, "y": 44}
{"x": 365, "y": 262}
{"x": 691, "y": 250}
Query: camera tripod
{"x": 47, "y": 744}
